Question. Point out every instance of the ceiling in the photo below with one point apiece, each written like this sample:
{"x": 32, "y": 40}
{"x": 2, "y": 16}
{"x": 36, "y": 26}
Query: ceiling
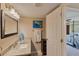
{"x": 33, "y": 9}
{"x": 72, "y": 13}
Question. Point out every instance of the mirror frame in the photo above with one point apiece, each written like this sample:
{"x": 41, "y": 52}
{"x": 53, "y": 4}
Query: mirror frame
{"x": 3, "y": 35}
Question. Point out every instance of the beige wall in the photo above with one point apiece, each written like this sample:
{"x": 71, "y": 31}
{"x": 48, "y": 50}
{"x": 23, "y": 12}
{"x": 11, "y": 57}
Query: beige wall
{"x": 2, "y": 6}
{"x": 25, "y": 26}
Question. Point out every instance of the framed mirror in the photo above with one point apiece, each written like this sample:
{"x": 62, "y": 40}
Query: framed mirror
{"x": 9, "y": 25}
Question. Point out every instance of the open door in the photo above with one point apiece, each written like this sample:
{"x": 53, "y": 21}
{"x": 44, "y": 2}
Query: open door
{"x": 54, "y": 32}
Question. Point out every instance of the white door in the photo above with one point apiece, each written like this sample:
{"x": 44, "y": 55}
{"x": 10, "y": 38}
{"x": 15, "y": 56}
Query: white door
{"x": 54, "y": 33}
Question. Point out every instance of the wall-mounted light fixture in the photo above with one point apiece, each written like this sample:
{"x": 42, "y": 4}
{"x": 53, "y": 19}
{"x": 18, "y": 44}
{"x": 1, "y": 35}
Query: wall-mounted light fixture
{"x": 10, "y": 10}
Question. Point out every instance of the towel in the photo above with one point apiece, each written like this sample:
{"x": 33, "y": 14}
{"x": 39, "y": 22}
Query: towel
{"x": 37, "y": 35}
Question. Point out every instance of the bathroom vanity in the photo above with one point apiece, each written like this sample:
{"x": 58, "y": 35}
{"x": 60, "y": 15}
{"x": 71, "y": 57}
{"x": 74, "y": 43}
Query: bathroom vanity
{"x": 9, "y": 38}
{"x": 7, "y": 44}
{"x": 20, "y": 49}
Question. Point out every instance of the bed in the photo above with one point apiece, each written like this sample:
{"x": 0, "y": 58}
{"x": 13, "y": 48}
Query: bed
{"x": 73, "y": 39}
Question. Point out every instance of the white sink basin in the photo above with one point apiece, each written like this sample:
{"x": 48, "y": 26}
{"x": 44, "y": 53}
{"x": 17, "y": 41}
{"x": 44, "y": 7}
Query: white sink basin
{"x": 21, "y": 46}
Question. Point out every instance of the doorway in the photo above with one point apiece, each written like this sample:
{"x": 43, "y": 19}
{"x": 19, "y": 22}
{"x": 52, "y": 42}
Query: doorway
{"x": 72, "y": 31}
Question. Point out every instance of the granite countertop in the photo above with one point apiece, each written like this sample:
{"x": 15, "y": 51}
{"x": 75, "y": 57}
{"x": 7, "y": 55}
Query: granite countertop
{"x": 20, "y": 49}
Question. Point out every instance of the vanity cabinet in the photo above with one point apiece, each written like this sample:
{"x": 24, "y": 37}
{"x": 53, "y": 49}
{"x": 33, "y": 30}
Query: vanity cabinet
{"x": 8, "y": 43}
{"x": 20, "y": 49}
{"x": 0, "y": 51}
{"x": 44, "y": 47}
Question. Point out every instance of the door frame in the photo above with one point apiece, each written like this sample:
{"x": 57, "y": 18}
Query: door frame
{"x": 64, "y": 9}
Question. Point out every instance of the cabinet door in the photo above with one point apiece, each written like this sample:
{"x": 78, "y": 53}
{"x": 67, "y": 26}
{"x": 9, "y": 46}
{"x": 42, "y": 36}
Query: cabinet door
{"x": 53, "y": 33}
